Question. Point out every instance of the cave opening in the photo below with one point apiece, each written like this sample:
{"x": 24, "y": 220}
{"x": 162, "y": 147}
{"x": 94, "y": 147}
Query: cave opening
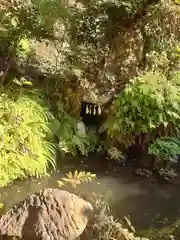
{"x": 91, "y": 114}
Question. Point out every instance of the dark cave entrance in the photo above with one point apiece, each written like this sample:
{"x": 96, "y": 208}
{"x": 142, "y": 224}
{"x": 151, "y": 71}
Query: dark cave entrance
{"x": 91, "y": 114}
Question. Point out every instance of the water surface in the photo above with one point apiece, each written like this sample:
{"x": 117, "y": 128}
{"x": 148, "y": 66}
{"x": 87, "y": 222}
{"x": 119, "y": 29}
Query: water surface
{"x": 147, "y": 202}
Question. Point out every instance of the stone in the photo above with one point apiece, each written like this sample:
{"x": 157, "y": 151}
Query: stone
{"x": 143, "y": 172}
{"x": 81, "y": 128}
{"x": 50, "y": 214}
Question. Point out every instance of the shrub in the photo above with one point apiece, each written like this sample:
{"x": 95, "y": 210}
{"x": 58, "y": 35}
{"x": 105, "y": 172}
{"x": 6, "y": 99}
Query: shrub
{"x": 24, "y": 149}
{"x": 165, "y": 148}
{"x": 146, "y": 103}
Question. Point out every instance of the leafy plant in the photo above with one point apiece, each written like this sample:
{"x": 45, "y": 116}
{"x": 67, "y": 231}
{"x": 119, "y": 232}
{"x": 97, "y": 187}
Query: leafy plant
{"x": 165, "y": 148}
{"x": 70, "y": 139}
{"x": 106, "y": 226}
{"x": 76, "y": 178}
{"x": 115, "y": 154}
{"x": 146, "y": 103}
{"x": 24, "y": 129}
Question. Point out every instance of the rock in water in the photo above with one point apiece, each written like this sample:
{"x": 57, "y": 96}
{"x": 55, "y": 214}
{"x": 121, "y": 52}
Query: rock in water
{"x": 81, "y": 128}
{"x": 50, "y": 214}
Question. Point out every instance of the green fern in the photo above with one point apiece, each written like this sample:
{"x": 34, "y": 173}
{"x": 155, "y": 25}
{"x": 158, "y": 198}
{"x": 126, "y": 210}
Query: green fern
{"x": 24, "y": 127}
{"x": 70, "y": 141}
{"x": 77, "y": 178}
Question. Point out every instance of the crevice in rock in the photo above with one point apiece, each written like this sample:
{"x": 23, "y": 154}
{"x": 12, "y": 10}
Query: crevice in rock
{"x": 91, "y": 114}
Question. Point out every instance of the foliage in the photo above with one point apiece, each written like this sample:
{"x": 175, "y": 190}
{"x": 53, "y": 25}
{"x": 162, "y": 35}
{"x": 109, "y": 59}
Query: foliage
{"x": 162, "y": 40}
{"x": 21, "y": 22}
{"x": 94, "y": 23}
{"x": 165, "y": 148}
{"x": 29, "y": 19}
{"x": 24, "y": 127}
{"x": 168, "y": 173}
{"x": 76, "y": 178}
{"x": 86, "y": 43}
{"x": 97, "y": 31}
{"x": 106, "y": 226}
{"x": 115, "y": 154}
{"x": 174, "y": 77}
{"x": 170, "y": 231}
{"x": 146, "y": 103}
{"x": 70, "y": 139}
{"x": 86, "y": 39}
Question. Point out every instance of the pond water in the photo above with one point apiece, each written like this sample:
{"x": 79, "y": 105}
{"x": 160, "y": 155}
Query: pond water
{"x": 147, "y": 202}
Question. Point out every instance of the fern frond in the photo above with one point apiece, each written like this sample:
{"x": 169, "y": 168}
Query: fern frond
{"x": 24, "y": 123}
{"x": 77, "y": 178}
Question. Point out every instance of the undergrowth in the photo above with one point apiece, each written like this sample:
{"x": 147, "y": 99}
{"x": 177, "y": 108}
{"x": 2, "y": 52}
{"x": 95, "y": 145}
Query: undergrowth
{"x": 24, "y": 127}
{"x": 70, "y": 139}
{"x": 165, "y": 148}
{"x": 104, "y": 225}
{"x": 147, "y": 102}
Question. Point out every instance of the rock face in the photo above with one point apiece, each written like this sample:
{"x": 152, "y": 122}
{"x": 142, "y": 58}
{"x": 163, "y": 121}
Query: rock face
{"x": 50, "y": 214}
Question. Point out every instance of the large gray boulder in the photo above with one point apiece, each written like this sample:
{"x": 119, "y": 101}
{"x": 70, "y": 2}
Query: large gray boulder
{"x": 50, "y": 214}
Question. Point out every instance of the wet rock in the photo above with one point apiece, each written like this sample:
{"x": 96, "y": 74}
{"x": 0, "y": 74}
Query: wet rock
{"x": 168, "y": 174}
{"x": 50, "y": 214}
{"x": 143, "y": 172}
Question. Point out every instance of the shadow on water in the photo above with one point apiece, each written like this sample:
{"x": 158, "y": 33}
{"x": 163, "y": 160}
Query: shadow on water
{"x": 145, "y": 201}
